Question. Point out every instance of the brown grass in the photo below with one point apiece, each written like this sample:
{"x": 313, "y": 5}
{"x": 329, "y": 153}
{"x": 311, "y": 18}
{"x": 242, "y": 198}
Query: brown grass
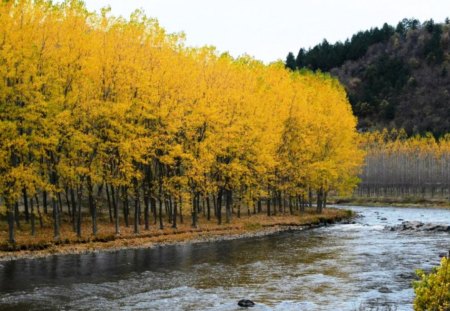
{"x": 43, "y": 244}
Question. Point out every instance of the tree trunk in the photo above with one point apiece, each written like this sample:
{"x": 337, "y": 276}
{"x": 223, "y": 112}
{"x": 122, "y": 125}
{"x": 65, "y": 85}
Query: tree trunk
{"x": 319, "y": 201}
{"x": 310, "y": 198}
{"x": 214, "y": 199}
{"x": 146, "y": 211}
{"x": 302, "y": 204}
{"x": 204, "y": 206}
{"x": 194, "y": 210}
{"x": 161, "y": 225}
{"x": 66, "y": 195}
{"x": 56, "y": 229}
{"x": 32, "y": 218}
{"x": 25, "y": 205}
{"x": 153, "y": 208}
{"x": 11, "y": 210}
{"x": 208, "y": 208}
{"x": 169, "y": 212}
{"x": 108, "y": 198}
{"x": 74, "y": 210}
{"x": 181, "y": 210}
{"x": 41, "y": 223}
{"x": 274, "y": 198}
{"x": 136, "y": 210}
{"x": 17, "y": 215}
{"x": 79, "y": 215}
{"x": 125, "y": 206}
{"x": 198, "y": 208}
{"x": 115, "y": 202}
{"x": 174, "y": 218}
{"x": 280, "y": 203}
{"x": 44, "y": 202}
{"x": 290, "y": 206}
{"x": 92, "y": 206}
{"x": 60, "y": 205}
{"x": 139, "y": 212}
{"x": 219, "y": 206}
{"x": 228, "y": 203}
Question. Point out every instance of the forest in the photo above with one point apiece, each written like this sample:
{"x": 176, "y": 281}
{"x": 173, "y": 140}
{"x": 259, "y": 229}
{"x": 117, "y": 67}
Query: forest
{"x": 395, "y": 76}
{"x": 108, "y": 118}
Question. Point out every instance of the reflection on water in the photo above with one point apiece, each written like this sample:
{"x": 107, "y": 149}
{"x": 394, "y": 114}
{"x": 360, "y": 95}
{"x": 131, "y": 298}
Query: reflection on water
{"x": 333, "y": 268}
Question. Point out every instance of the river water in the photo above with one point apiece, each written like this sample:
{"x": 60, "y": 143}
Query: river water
{"x": 356, "y": 266}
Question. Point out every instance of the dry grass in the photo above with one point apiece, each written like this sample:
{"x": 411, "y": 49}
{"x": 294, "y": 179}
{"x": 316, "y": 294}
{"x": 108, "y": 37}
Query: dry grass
{"x": 43, "y": 244}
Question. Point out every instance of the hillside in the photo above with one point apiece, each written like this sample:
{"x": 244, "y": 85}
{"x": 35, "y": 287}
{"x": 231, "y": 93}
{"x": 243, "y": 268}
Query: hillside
{"x": 395, "y": 77}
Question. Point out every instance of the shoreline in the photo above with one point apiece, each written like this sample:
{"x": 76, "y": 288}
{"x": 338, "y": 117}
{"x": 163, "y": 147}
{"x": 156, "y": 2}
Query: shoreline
{"x": 179, "y": 237}
{"x": 391, "y": 202}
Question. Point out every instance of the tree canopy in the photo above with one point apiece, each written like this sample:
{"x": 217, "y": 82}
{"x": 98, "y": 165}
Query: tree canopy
{"x": 90, "y": 102}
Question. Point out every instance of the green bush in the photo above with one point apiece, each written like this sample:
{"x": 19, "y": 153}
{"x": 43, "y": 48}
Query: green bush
{"x": 433, "y": 290}
{"x": 252, "y": 226}
{"x": 349, "y": 213}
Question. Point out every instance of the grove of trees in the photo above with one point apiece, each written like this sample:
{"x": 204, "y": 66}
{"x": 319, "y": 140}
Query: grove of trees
{"x": 398, "y": 166}
{"x": 105, "y": 115}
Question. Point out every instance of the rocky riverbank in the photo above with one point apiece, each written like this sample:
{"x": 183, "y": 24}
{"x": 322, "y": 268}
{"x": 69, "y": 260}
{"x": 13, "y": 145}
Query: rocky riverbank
{"x": 253, "y": 226}
{"x": 415, "y": 226}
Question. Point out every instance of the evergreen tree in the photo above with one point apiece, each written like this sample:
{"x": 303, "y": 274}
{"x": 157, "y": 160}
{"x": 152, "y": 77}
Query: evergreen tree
{"x": 290, "y": 61}
{"x": 300, "y": 60}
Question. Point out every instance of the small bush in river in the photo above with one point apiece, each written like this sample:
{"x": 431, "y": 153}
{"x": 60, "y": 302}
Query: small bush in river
{"x": 433, "y": 290}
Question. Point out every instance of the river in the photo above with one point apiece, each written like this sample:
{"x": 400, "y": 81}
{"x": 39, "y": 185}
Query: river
{"x": 355, "y": 266}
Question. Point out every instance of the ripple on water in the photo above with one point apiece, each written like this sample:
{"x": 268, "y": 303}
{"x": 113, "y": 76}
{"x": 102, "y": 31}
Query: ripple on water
{"x": 333, "y": 268}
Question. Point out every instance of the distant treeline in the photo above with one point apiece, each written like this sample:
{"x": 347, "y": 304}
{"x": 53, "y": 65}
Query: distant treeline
{"x": 326, "y": 56}
{"x": 397, "y": 166}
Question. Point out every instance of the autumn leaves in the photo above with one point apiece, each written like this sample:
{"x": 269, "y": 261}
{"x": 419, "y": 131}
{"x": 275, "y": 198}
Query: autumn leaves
{"x": 117, "y": 114}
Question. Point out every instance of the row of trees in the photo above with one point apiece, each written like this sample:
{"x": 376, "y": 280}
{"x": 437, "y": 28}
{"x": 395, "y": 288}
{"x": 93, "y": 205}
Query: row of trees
{"x": 99, "y": 113}
{"x": 399, "y": 166}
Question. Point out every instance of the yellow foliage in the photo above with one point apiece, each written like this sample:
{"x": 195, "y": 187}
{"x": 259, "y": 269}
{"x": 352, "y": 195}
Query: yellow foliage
{"x": 93, "y": 97}
{"x": 433, "y": 290}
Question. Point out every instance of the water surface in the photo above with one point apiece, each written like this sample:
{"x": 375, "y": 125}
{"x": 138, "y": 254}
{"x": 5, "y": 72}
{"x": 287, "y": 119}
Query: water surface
{"x": 339, "y": 267}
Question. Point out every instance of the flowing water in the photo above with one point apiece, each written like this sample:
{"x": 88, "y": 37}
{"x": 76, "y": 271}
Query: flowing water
{"x": 341, "y": 267}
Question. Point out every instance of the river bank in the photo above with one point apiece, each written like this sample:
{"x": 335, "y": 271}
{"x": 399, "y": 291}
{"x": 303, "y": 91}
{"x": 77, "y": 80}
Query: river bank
{"x": 391, "y": 202}
{"x": 245, "y": 227}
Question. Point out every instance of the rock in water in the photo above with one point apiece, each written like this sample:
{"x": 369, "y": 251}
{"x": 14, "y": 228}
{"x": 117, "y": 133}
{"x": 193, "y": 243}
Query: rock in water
{"x": 419, "y": 226}
{"x": 384, "y": 290}
{"x": 245, "y": 303}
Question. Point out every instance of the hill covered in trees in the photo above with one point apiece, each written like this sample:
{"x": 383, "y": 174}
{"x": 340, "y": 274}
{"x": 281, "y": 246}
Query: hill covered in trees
{"x": 395, "y": 77}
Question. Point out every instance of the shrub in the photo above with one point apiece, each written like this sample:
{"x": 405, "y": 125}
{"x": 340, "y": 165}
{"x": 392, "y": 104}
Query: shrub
{"x": 433, "y": 290}
{"x": 252, "y": 226}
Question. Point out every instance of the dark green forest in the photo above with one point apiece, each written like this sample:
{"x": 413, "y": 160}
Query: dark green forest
{"x": 395, "y": 76}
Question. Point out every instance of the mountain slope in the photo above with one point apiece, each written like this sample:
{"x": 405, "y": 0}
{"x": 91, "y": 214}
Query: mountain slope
{"x": 394, "y": 77}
